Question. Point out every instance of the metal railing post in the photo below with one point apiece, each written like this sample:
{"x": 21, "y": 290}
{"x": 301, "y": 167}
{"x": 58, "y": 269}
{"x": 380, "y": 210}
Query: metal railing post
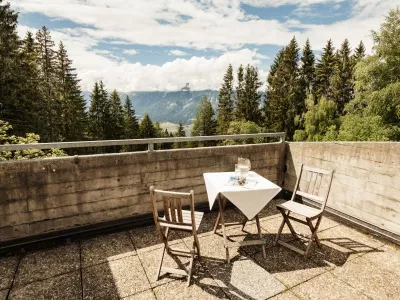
{"x": 150, "y": 147}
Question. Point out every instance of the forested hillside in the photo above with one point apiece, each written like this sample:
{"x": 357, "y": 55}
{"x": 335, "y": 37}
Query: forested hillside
{"x": 343, "y": 95}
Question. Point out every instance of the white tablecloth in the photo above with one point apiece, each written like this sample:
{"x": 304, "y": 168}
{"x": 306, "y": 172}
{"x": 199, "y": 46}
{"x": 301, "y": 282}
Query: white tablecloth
{"x": 250, "y": 199}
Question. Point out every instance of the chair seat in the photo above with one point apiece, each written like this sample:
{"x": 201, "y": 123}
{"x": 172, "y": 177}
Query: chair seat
{"x": 301, "y": 209}
{"x": 187, "y": 218}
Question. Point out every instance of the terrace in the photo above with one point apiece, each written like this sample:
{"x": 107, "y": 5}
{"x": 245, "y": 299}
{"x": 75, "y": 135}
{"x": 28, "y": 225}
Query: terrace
{"x": 80, "y": 227}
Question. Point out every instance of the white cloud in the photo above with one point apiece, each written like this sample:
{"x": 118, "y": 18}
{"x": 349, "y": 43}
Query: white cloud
{"x": 191, "y": 24}
{"x": 200, "y": 72}
{"x": 178, "y": 52}
{"x": 130, "y": 52}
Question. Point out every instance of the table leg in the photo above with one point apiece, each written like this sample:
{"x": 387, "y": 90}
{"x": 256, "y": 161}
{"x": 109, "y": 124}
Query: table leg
{"x": 219, "y": 215}
{"x": 221, "y": 212}
{"x": 261, "y": 237}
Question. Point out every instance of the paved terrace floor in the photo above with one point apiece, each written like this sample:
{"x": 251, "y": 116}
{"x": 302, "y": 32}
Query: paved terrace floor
{"x": 350, "y": 265}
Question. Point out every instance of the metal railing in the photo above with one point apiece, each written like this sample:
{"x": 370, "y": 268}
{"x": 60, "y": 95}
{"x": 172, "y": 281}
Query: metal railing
{"x": 150, "y": 142}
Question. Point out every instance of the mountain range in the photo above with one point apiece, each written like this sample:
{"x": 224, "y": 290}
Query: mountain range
{"x": 167, "y": 106}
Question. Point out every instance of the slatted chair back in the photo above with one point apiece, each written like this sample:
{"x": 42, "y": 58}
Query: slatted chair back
{"x": 313, "y": 184}
{"x": 172, "y": 210}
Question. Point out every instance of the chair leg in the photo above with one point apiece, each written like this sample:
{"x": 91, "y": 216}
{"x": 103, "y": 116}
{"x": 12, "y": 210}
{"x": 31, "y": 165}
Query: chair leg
{"x": 165, "y": 248}
{"x": 261, "y": 237}
{"x": 161, "y": 261}
{"x": 190, "y": 269}
{"x": 196, "y": 239}
{"x": 285, "y": 216}
{"x": 313, "y": 236}
{"x": 279, "y": 232}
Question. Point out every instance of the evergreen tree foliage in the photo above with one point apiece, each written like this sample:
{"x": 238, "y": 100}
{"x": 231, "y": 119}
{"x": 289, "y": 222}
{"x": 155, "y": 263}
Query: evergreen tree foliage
{"x": 324, "y": 72}
{"x": 50, "y": 116}
{"x": 116, "y": 122}
{"x": 73, "y": 117}
{"x": 146, "y": 128}
{"x": 99, "y": 113}
{"x": 204, "y": 123}
{"x": 29, "y": 89}
{"x": 343, "y": 85}
{"x": 225, "y": 102}
{"x": 239, "y": 92}
{"x": 180, "y": 132}
{"x": 248, "y": 106}
{"x": 285, "y": 98}
{"x": 131, "y": 124}
{"x": 307, "y": 70}
{"x": 359, "y": 52}
{"x": 11, "y": 108}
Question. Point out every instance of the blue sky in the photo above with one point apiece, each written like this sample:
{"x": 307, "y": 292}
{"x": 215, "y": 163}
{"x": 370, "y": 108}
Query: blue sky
{"x": 161, "y": 44}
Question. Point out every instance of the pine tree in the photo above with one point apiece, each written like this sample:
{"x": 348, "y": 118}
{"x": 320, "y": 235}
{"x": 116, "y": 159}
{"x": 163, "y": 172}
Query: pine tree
{"x": 343, "y": 86}
{"x": 359, "y": 52}
{"x": 50, "y": 118}
{"x": 225, "y": 102}
{"x": 204, "y": 123}
{"x": 248, "y": 108}
{"x": 325, "y": 71}
{"x": 73, "y": 118}
{"x": 116, "y": 122}
{"x": 285, "y": 99}
{"x": 272, "y": 99}
{"x": 99, "y": 113}
{"x": 131, "y": 124}
{"x": 307, "y": 70}
{"x": 30, "y": 97}
{"x": 10, "y": 59}
{"x": 239, "y": 92}
{"x": 180, "y": 132}
{"x": 146, "y": 128}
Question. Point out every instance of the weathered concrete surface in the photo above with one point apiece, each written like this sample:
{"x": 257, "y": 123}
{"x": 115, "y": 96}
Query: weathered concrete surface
{"x": 366, "y": 182}
{"x": 39, "y": 196}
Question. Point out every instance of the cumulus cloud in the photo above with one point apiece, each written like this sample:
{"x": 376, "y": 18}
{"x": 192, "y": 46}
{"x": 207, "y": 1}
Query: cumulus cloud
{"x": 130, "y": 52}
{"x": 200, "y": 72}
{"x": 190, "y": 24}
{"x": 177, "y": 52}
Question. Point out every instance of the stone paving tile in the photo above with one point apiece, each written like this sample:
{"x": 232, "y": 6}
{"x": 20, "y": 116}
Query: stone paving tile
{"x": 386, "y": 257}
{"x": 351, "y": 238}
{"x": 3, "y": 294}
{"x": 288, "y": 295}
{"x": 114, "y": 279}
{"x": 146, "y": 295}
{"x": 151, "y": 259}
{"x": 47, "y": 263}
{"x": 65, "y": 286}
{"x": 106, "y": 248}
{"x": 243, "y": 278}
{"x": 250, "y": 233}
{"x": 200, "y": 288}
{"x": 289, "y": 267}
{"x": 212, "y": 248}
{"x": 147, "y": 238}
{"x": 326, "y": 286}
{"x": 369, "y": 278}
{"x": 8, "y": 264}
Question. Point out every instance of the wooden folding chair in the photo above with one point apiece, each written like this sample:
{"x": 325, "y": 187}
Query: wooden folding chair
{"x": 175, "y": 218}
{"x": 310, "y": 193}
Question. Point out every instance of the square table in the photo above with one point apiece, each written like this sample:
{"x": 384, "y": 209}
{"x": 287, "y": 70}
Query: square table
{"x": 250, "y": 199}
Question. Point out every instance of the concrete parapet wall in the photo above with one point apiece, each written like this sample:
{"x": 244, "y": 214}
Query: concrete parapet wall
{"x": 45, "y": 195}
{"x": 366, "y": 183}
